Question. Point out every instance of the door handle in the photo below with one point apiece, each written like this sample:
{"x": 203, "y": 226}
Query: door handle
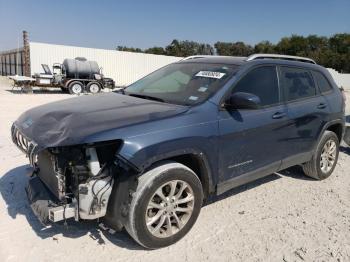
{"x": 321, "y": 106}
{"x": 278, "y": 115}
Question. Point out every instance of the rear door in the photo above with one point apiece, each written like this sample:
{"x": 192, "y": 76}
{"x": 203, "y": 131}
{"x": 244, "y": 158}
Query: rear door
{"x": 250, "y": 140}
{"x": 307, "y": 110}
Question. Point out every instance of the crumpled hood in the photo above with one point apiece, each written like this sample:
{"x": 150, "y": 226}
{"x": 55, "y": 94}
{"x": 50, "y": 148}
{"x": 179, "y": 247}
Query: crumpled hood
{"x": 70, "y": 121}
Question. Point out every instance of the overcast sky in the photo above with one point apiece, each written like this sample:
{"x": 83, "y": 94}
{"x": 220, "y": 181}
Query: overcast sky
{"x": 107, "y": 24}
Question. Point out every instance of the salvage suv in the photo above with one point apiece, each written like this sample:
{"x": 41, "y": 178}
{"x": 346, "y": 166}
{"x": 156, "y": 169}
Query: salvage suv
{"x": 146, "y": 157}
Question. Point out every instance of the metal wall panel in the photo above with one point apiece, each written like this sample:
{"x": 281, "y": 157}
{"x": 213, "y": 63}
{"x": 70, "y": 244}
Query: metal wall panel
{"x": 123, "y": 67}
{"x": 11, "y": 62}
{"x": 20, "y": 62}
{"x": 8, "y": 64}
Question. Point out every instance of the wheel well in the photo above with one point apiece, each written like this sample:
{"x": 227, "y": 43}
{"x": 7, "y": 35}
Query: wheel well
{"x": 337, "y": 129}
{"x": 198, "y": 166}
{"x": 94, "y": 82}
{"x": 67, "y": 84}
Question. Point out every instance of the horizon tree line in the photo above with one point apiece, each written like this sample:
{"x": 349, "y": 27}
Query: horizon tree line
{"x": 332, "y": 52}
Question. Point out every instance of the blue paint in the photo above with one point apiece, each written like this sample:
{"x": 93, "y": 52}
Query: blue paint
{"x": 231, "y": 142}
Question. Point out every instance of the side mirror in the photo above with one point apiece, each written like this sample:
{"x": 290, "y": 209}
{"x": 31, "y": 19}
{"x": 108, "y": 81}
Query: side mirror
{"x": 242, "y": 100}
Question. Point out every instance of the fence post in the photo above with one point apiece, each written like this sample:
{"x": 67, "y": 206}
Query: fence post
{"x": 26, "y": 52}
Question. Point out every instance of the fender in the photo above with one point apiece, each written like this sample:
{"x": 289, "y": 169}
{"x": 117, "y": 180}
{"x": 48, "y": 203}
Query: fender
{"x": 143, "y": 158}
{"x": 330, "y": 123}
{"x": 66, "y": 84}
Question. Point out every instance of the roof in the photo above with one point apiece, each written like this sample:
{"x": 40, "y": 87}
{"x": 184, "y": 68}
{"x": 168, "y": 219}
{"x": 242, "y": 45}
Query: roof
{"x": 260, "y": 59}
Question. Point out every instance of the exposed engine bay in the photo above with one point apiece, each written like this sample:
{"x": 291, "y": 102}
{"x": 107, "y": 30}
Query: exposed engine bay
{"x": 79, "y": 178}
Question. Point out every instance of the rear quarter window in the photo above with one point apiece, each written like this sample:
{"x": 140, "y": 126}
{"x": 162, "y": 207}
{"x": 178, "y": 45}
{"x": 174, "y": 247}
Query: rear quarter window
{"x": 297, "y": 83}
{"x": 322, "y": 82}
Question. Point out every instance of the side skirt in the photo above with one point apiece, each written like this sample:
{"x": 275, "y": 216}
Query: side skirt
{"x": 246, "y": 178}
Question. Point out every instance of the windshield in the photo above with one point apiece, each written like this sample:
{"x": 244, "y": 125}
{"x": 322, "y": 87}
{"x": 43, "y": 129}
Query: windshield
{"x": 182, "y": 83}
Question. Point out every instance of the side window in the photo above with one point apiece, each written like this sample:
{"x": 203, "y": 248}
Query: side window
{"x": 262, "y": 82}
{"x": 297, "y": 83}
{"x": 322, "y": 82}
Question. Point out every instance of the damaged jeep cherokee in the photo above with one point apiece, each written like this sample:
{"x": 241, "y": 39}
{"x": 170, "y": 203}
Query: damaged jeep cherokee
{"x": 146, "y": 157}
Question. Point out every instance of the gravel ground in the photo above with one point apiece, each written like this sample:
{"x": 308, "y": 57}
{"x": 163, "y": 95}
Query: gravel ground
{"x": 283, "y": 217}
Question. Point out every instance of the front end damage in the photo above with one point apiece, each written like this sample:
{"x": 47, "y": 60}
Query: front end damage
{"x": 72, "y": 181}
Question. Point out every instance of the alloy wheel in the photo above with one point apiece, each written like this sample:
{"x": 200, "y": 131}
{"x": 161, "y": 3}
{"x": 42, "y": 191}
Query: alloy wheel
{"x": 328, "y": 156}
{"x": 169, "y": 209}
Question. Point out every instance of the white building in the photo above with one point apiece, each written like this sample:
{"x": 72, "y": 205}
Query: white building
{"x": 123, "y": 67}
{"x": 342, "y": 80}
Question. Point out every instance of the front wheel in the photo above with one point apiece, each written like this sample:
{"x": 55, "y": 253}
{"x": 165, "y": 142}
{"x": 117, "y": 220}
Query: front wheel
{"x": 325, "y": 157}
{"x": 76, "y": 88}
{"x": 165, "y": 206}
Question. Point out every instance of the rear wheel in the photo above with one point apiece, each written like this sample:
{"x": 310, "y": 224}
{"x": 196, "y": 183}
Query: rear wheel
{"x": 93, "y": 87}
{"x": 325, "y": 158}
{"x": 165, "y": 205}
{"x": 76, "y": 88}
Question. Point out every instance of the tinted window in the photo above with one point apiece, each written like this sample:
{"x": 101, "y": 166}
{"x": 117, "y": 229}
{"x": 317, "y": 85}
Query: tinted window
{"x": 261, "y": 82}
{"x": 322, "y": 82}
{"x": 297, "y": 83}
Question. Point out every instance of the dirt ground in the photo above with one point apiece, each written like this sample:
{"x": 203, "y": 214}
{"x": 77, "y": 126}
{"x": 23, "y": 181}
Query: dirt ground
{"x": 283, "y": 217}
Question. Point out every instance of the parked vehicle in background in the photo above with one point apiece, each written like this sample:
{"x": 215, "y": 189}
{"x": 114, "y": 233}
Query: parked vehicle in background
{"x": 75, "y": 76}
{"x": 145, "y": 159}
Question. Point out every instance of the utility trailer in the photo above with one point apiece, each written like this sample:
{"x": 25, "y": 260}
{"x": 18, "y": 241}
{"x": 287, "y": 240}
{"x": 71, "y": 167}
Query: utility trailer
{"x": 74, "y": 76}
{"x": 21, "y": 81}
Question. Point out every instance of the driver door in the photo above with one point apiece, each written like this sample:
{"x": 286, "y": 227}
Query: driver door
{"x": 251, "y": 141}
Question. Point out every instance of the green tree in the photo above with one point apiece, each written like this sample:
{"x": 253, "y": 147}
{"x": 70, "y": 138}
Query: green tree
{"x": 316, "y": 43}
{"x": 340, "y": 43}
{"x": 156, "y": 50}
{"x": 129, "y": 49}
{"x": 233, "y": 49}
{"x": 294, "y": 45}
{"x": 333, "y": 52}
{"x": 265, "y": 47}
{"x": 188, "y": 48}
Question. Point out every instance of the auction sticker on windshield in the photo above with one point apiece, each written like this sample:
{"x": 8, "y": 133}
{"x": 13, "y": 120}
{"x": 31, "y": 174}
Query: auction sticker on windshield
{"x": 210, "y": 74}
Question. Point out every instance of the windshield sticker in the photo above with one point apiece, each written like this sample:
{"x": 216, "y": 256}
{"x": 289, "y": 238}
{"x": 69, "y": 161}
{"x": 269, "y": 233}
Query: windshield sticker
{"x": 210, "y": 74}
{"x": 202, "y": 89}
{"x": 194, "y": 98}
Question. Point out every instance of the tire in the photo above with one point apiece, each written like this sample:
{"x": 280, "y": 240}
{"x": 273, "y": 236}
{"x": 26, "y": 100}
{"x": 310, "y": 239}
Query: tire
{"x": 75, "y": 88}
{"x": 93, "y": 87}
{"x": 318, "y": 169}
{"x": 140, "y": 212}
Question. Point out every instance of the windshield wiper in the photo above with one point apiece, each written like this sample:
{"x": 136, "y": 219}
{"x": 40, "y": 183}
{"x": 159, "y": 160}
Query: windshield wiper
{"x": 147, "y": 97}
